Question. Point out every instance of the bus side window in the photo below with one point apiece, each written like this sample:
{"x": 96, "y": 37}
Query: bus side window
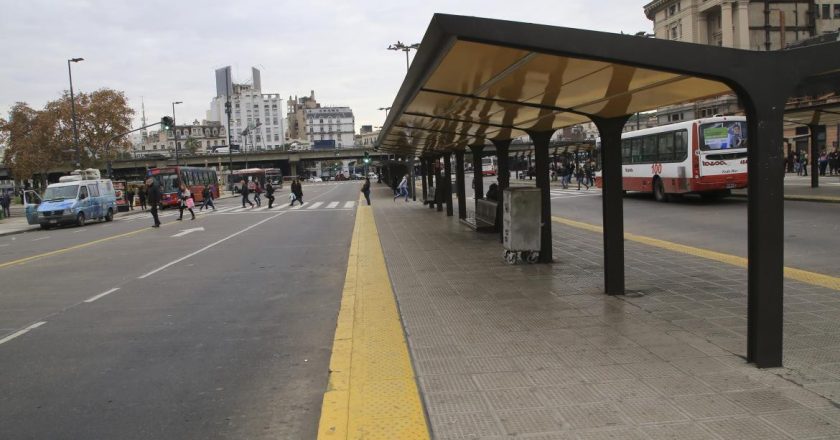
{"x": 636, "y": 150}
{"x": 680, "y": 144}
{"x": 625, "y": 151}
{"x": 649, "y": 149}
{"x": 666, "y": 147}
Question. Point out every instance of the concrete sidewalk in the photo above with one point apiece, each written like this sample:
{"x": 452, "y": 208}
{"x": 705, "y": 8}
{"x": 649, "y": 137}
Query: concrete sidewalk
{"x": 538, "y": 351}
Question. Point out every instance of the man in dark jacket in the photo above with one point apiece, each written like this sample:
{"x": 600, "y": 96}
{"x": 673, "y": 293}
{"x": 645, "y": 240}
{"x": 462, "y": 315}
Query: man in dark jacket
{"x": 154, "y": 199}
{"x": 244, "y": 191}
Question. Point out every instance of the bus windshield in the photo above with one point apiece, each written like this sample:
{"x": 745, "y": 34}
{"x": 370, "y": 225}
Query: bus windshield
{"x": 725, "y": 135}
{"x": 167, "y": 182}
{"x": 56, "y": 193}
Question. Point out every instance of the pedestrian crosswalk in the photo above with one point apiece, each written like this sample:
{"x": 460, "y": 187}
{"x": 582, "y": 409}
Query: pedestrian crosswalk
{"x": 306, "y": 207}
{"x": 572, "y": 192}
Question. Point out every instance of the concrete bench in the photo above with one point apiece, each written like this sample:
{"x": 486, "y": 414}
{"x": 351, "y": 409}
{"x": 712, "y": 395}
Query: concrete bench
{"x": 485, "y": 214}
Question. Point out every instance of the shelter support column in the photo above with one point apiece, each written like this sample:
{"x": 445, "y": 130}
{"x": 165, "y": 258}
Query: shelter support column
{"x": 439, "y": 186}
{"x": 541, "y": 140}
{"x": 765, "y": 105}
{"x": 431, "y": 176}
{"x": 478, "y": 178}
{"x": 814, "y": 154}
{"x": 447, "y": 183}
{"x": 612, "y": 203}
{"x": 459, "y": 181}
{"x": 424, "y": 171}
{"x": 502, "y": 176}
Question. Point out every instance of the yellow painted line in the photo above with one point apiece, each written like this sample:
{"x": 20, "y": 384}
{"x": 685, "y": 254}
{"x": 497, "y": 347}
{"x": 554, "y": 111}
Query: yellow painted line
{"x": 72, "y": 248}
{"x": 813, "y": 278}
{"x": 372, "y": 391}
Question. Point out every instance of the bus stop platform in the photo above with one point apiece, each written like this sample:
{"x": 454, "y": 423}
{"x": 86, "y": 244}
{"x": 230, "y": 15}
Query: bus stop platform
{"x": 540, "y": 352}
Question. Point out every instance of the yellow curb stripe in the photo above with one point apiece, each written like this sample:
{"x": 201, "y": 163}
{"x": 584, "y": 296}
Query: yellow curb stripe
{"x": 372, "y": 391}
{"x": 813, "y": 278}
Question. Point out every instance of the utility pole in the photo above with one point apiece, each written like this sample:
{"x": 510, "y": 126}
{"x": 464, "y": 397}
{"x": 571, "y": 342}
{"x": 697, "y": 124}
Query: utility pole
{"x": 73, "y": 111}
{"x": 175, "y": 130}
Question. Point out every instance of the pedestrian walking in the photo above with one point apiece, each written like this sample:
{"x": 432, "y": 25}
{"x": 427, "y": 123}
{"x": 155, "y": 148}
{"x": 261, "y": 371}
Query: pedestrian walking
{"x": 823, "y": 162}
{"x": 129, "y": 198}
{"x": 186, "y": 202}
{"x": 366, "y": 190}
{"x": 834, "y": 162}
{"x": 804, "y": 164}
{"x": 564, "y": 168}
{"x": 141, "y": 197}
{"x": 580, "y": 176}
{"x": 269, "y": 193}
{"x": 5, "y": 203}
{"x": 153, "y": 191}
{"x": 257, "y": 192}
{"x": 402, "y": 189}
{"x": 244, "y": 190}
{"x": 207, "y": 198}
{"x": 296, "y": 194}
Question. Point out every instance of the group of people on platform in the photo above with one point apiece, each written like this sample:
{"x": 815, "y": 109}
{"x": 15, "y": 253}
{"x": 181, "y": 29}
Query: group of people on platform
{"x": 828, "y": 163}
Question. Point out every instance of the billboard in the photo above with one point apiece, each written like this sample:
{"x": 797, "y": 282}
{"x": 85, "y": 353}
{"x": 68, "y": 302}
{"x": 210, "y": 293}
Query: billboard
{"x": 326, "y": 144}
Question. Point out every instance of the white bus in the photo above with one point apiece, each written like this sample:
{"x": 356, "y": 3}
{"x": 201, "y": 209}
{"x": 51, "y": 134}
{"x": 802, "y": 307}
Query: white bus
{"x": 488, "y": 166}
{"x": 704, "y": 156}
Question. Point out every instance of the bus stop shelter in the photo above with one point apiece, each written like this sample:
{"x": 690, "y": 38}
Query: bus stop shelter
{"x": 477, "y": 81}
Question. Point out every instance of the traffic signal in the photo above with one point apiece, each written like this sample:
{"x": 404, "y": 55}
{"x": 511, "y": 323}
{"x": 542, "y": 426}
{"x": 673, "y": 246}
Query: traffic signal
{"x": 166, "y": 123}
{"x": 366, "y": 158}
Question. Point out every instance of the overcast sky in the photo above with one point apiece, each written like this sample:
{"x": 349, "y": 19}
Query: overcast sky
{"x": 166, "y": 51}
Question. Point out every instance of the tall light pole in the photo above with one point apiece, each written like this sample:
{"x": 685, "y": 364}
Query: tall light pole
{"x": 386, "y": 110}
{"x": 399, "y": 45}
{"x": 175, "y": 130}
{"x": 73, "y": 111}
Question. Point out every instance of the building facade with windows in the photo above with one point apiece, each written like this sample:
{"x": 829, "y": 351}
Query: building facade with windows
{"x": 321, "y": 126}
{"x": 257, "y": 121}
{"x": 196, "y": 138}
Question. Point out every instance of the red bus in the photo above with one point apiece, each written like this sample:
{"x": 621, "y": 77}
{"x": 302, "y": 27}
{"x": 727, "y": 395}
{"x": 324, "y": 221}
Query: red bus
{"x": 196, "y": 179}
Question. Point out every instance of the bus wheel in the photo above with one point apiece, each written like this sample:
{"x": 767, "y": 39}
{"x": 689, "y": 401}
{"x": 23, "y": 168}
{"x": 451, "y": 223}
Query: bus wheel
{"x": 659, "y": 190}
{"x": 109, "y": 216}
{"x": 80, "y": 219}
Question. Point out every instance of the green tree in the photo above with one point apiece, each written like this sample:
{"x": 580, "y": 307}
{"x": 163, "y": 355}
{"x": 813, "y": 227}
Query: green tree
{"x": 33, "y": 142}
{"x": 192, "y": 145}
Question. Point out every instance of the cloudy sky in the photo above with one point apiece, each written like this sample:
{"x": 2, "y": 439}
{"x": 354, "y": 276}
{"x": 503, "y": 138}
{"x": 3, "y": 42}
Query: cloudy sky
{"x": 166, "y": 51}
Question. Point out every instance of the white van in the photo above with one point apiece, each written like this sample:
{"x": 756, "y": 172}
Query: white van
{"x": 72, "y": 200}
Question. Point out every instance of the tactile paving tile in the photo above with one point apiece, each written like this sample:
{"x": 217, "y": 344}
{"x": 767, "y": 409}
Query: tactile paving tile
{"x": 464, "y": 426}
{"x": 763, "y": 401}
{"x": 518, "y": 398}
{"x": 449, "y": 383}
{"x": 604, "y": 373}
{"x": 749, "y": 428}
{"x": 593, "y": 415}
{"x": 463, "y": 402}
{"x": 627, "y": 389}
{"x": 730, "y": 381}
{"x": 554, "y": 377}
{"x": 530, "y": 421}
{"x": 802, "y": 424}
{"x": 612, "y": 434}
{"x": 652, "y": 369}
{"x": 492, "y": 381}
{"x": 678, "y": 385}
{"x": 679, "y": 431}
{"x": 708, "y": 405}
{"x": 649, "y": 411}
{"x": 704, "y": 365}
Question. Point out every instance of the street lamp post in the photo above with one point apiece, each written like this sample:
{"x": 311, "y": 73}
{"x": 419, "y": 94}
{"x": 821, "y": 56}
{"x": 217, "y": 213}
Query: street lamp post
{"x": 175, "y": 130}
{"x": 73, "y": 111}
{"x": 399, "y": 45}
{"x": 386, "y": 110}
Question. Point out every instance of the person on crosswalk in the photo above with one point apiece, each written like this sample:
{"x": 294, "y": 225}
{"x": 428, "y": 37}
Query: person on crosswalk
{"x": 154, "y": 199}
{"x": 207, "y": 195}
{"x": 297, "y": 193}
{"x": 244, "y": 191}
{"x": 269, "y": 193}
{"x": 580, "y": 175}
{"x": 186, "y": 202}
{"x": 257, "y": 192}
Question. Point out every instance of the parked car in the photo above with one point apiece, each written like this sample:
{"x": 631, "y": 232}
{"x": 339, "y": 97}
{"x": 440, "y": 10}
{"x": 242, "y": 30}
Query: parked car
{"x": 314, "y": 179}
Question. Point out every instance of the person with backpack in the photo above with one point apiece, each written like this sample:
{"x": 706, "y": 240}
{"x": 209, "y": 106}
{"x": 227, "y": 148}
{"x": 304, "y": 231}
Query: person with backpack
{"x": 269, "y": 193}
{"x": 207, "y": 196}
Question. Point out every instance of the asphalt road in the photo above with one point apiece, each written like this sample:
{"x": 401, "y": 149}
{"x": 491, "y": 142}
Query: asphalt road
{"x": 224, "y": 332}
{"x": 812, "y": 230}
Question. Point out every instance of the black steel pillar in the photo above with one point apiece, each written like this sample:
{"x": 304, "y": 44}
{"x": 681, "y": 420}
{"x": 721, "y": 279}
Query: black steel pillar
{"x": 612, "y": 203}
{"x": 765, "y": 225}
{"x": 459, "y": 181}
{"x": 813, "y": 154}
{"x": 541, "y": 140}
{"x": 502, "y": 176}
{"x": 478, "y": 178}
{"x": 424, "y": 170}
{"x": 447, "y": 183}
{"x": 433, "y": 180}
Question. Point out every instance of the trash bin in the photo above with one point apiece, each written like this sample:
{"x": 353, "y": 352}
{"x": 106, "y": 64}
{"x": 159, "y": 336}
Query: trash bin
{"x": 521, "y": 213}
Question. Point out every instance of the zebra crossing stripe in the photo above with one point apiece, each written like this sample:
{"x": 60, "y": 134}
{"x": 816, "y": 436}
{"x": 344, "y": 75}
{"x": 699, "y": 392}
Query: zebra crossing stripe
{"x": 315, "y": 205}
{"x": 332, "y": 205}
{"x": 350, "y": 204}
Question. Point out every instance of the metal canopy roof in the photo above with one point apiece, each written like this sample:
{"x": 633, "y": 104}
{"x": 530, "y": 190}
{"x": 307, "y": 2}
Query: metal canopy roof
{"x": 475, "y": 80}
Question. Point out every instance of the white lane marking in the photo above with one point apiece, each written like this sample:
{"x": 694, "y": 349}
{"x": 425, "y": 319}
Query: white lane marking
{"x": 42, "y": 238}
{"x": 333, "y": 204}
{"x": 262, "y": 208}
{"x": 4, "y": 245}
{"x": 240, "y": 209}
{"x": 94, "y": 298}
{"x": 188, "y": 231}
{"x": 21, "y": 332}
{"x": 209, "y": 246}
{"x": 79, "y": 230}
{"x": 350, "y": 204}
{"x": 315, "y": 205}
{"x": 226, "y": 209}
